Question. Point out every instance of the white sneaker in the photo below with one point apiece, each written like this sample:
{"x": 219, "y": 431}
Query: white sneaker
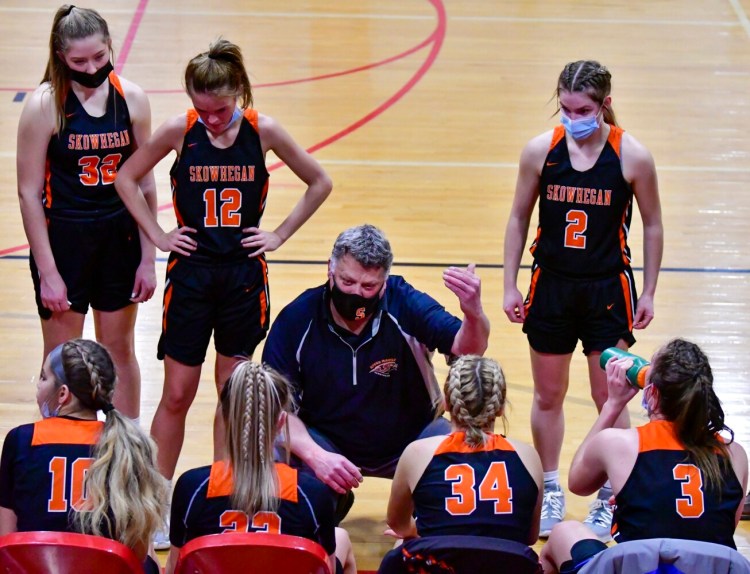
{"x": 161, "y": 538}
{"x": 599, "y": 519}
{"x": 553, "y": 509}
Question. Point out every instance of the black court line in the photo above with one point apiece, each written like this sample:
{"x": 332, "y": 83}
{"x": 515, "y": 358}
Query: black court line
{"x": 442, "y": 265}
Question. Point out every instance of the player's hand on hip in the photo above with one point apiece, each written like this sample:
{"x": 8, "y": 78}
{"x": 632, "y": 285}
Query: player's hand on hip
{"x": 54, "y": 292}
{"x": 467, "y": 286}
{"x": 145, "y": 283}
{"x": 513, "y": 306}
{"x": 178, "y": 240}
{"x": 260, "y": 241}
{"x": 336, "y": 471}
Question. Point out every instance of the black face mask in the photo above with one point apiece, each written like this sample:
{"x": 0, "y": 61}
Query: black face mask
{"x": 353, "y": 307}
{"x": 92, "y": 80}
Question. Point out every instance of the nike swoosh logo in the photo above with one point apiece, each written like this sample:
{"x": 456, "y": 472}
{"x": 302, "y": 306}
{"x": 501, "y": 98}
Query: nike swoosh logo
{"x": 192, "y": 144}
{"x": 551, "y": 163}
{"x": 609, "y": 307}
{"x": 70, "y": 115}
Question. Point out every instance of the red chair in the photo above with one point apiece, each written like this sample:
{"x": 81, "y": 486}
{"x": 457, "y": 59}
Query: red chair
{"x": 252, "y": 552}
{"x": 64, "y": 553}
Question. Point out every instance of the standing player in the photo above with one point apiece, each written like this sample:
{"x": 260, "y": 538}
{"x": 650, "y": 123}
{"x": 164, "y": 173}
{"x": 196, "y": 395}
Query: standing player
{"x": 249, "y": 491}
{"x": 75, "y": 131}
{"x": 585, "y": 174}
{"x": 216, "y": 277}
{"x": 674, "y": 477}
{"x": 472, "y": 481}
{"x": 70, "y": 472}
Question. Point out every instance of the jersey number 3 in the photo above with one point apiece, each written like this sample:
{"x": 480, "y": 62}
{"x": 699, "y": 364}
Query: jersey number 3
{"x": 58, "y": 467}
{"x": 494, "y": 487}
{"x": 692, "y": 505}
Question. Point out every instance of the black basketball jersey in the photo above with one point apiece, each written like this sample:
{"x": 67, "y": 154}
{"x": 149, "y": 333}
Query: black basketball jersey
{"x": 42, "y": 471}
{"x": 201, "y": 505}
{"x": 83, "y": 159}
{"x": 665, "y": 495}
{"x": 483, "y": 491}
{"x": 584, "y": 217}
{"x": 219, "y": 192}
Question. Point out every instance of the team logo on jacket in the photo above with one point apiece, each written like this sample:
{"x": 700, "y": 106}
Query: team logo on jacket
{"x": 384, "y": 367}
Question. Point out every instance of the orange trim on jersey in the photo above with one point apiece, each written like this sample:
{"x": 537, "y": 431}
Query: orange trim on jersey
{"x": 628, "y": 298}
{"x": 56, "y": 430}
{"x": 220, "y": 481}
{"x": 615, "y": 138}
{"x": 263, "y": 194}
{"x": 557, "y": 135}
{"x": 532, "y": 287}
{"x": 251, "y": 115}
{"x": 456, "y": 443}
{"x": 167, "y": 300}
{"x": 47, "y": 185}
{"x": 623, "y": 238}
{"x": 658, "y": 435}
{"x": 263, "y": 297}
{"x": 192, "y": 117}
{"x": 115, "y": 81}
{"x": 171, "y": 265}
{"x": 536, "y": 240}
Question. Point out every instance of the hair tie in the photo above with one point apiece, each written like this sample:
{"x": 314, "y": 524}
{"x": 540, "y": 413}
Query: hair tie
{"x": 106, "y": 409}
{"x": 69, "y": 10}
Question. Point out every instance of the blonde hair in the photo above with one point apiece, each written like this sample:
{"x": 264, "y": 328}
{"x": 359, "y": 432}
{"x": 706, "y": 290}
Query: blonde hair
{"x": 252, "y": 402}
{"x": 475, "y": 396}
{"x": 220, "y": 71}
{"x": 70, "y": 23}
{"x": 126, "y": 497}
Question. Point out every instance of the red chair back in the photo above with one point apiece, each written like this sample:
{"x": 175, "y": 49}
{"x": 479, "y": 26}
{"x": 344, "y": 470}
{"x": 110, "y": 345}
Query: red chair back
{"x": 65, "y": 553}
{"x": 252, "y": 552}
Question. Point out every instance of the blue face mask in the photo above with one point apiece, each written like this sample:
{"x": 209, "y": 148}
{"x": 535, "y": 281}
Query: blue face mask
{"x": 46, "y": 413}
{"x": 235, "y": 114}
{"x": 582, "y": 128}
{"x": 644, "y": 400}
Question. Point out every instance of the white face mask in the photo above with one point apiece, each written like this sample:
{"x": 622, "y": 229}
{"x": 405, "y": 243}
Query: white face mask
{"x": 644, "y": 400}
{"x": 581, "y": 128}
{"x": 46, "y": 413}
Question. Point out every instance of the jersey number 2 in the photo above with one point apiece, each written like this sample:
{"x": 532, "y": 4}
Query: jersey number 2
{"x": 58, "y": 467}
{"x": 224, "y": 210}
{"x": 577, "y": 221}
{"x": 692, "y": 489}
{"x": 494, "y": 487}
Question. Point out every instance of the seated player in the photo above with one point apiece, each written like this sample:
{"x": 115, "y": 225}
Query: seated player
{"x": 72, "y": 473}
{"x": 249, "y": 491}
{"x": 674, "y": 477}
{"x": 472, "y": 481}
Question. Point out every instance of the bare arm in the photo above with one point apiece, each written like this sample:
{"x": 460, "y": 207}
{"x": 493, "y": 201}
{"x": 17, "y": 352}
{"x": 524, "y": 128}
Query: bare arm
{"x": 174, "y": 554}
{"x": 603, "y": 443}
{"x": 739, "y": 463}
{"x": 140, "y": 116}
{"x": 335, "y": 470}
{"x": 167, "y": 138}
{"x": 533, "y": 464}
{"x": 639, "y": 170}
{"x": 273, "y": 137}
{"x": 527, "y": 192}
{"x": 8, "y": 521}
{"x": 472, "y": 336}
{"x": 35, "y": 128}
{"x": 410, "y": 468}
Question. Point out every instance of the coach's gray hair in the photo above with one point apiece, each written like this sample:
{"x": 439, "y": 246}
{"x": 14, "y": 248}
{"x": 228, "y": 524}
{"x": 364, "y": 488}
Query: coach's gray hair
{"x": 367, "y": 244}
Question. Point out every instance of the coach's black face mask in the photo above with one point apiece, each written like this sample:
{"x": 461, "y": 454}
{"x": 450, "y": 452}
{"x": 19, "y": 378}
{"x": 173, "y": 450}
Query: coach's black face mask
{"x": 92, "y": 80}
{"x": 353, "y": 307}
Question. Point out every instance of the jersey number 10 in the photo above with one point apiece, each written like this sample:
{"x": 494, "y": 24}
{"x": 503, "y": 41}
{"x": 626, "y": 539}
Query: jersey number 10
{"x": 58, "y": 467}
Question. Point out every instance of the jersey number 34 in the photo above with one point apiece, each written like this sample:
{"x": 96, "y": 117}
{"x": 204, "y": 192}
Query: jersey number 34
{"x": 493, "y": 487}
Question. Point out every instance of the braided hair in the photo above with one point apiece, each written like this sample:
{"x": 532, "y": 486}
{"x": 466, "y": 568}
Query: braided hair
{"x": 680, "y": 371}
{"x": 252, "y": 401}
{"x": 591, "y": 77}
{"x": 125, "y": 496}
{"x": 475, "y": 396}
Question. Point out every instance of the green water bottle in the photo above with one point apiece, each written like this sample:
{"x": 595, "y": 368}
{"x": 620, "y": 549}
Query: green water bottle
{"x": 636, "y": 374}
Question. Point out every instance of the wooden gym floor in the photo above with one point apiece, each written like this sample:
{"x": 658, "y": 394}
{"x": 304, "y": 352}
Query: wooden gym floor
{"x": 419, "y": 109}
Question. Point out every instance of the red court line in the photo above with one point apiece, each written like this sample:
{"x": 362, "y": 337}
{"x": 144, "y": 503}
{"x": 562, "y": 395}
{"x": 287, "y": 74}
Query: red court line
{"x": 135, "y": 23}
{"x": 436, "y": 38}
